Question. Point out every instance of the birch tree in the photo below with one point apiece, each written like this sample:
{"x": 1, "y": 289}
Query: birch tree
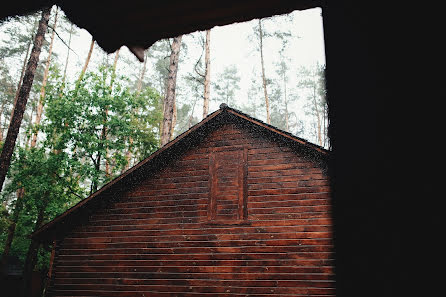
{"x": 262, "y": 63}
{"x": 207, "y": 75}
{"x": 261, "y": 34}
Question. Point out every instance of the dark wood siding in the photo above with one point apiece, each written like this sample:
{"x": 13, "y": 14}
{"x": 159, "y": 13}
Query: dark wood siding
{"x": 160, "y": 239}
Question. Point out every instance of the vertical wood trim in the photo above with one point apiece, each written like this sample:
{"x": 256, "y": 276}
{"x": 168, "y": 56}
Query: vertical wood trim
{"x": 212, "y": 186}
{"x": 53, "y": 252}
{"x": 244, "y": 189}
{"x": 49, "y": 280}
{"x": 241, "y": 182}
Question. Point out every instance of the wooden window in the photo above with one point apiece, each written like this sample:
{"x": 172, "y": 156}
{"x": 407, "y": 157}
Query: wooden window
{"x": 228, "y": 184}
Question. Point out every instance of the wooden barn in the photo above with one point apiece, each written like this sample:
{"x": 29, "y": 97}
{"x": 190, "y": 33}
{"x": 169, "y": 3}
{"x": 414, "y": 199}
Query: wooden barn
{"x": 232, "y": 207}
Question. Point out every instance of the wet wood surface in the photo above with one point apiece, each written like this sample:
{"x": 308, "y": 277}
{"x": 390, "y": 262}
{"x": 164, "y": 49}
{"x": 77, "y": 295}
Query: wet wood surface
{"x": 238, "y": 215}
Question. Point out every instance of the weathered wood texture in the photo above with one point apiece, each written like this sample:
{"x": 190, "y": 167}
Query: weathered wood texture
{"x": 269, "y": 236}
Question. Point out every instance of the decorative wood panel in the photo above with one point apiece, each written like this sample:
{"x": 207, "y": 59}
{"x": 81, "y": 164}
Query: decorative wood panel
{"x": 227, "y": 184}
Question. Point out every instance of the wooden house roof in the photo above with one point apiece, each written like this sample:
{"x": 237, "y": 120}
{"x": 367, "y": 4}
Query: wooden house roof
{"x": 161, "y": 157}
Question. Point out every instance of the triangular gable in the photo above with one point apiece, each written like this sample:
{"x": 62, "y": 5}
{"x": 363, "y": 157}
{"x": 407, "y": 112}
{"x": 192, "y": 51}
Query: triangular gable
{"x": 159, "y": 158}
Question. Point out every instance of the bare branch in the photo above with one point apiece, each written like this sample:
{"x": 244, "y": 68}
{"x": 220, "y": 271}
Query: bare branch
{"x": 71, "y": 189}
{"x": 63, "y": 41}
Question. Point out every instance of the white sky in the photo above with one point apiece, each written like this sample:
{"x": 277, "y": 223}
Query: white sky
{"x": 230, "y": 45}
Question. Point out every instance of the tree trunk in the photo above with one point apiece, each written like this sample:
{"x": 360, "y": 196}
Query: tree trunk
{"x": 31, "y": 258}
{"x": 68, "y": 54}
{"x": 22, "y": 73}
{"x": 174, "y": 120}
{"x": 207, "y": 74}
{"x": 287, "y": 125}
{"x": 113, "y": 76}
{"x": 84, "y": 69}
{"x": 115, "y": 62}
{"x": 169, "y": 103}
{"x": 319, "y": 134}
{"x": 103, "y": 140}
{"x": 22, "y": 99}
{"x": 128, "y": 154}
{"x": 1, "y": 114}
{"x": 268, "y": 116}
{"x": 143, "y": 72}
{"x": 30, "y": 125}
{"x": 324, "y": 126}
{"x": 44, "y": 81}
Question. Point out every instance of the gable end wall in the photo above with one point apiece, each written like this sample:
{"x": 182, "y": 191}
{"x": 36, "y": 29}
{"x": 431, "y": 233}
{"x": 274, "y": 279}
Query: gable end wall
{"x": 159, "y": 240}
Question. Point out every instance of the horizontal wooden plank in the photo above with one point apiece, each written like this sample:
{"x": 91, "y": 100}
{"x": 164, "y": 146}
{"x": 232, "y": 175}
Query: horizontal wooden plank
{"x": 197, "y": 229}
{"x": 196, "y": 237}
{"x": 100, "y": 264}
{"x": 166, "y": 179}
{"x": 165, "y": 197}
{"x": 317, "y": 287}
{"x": 269, "y": 151}
{"x": 161, "y": 184}
{"x": 168, "y": 294}
{"x": 152, "y": 220}
{"x": 183, "y": 173}
{"x": 156, "y": 214}
{"x": 326, "y": 247}
{"x": 287, "y": 172}
{"x": 200, "y": 256}
{"x": 267, "y": 203}
{"x": 199, "y": 282}
{"x": 289, "y": 184}
{"x": 159, "y": 203}
{"x": 285, "y": 178}
{"x": 187, "y": 269}
{"x": 150, "y": 210}
{"x": 280, "y": 167}
{"x": 284, "y": 216}
{"x": 285, "y": 191}
{"x": 204, "y": 243}
{"x": 277, "y": 158}
{"x": 227, "y": 143}
{"x": 175, "y": 223}
{"x": 172, "y": 191}
{"x": 283, "y": 197}
{"x": 307, "y": 273}
{"x": 289, "y": 209}
{"x": 274, "y": 154}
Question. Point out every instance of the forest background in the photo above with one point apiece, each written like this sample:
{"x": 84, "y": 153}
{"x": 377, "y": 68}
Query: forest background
{"x": 90, "y": 116}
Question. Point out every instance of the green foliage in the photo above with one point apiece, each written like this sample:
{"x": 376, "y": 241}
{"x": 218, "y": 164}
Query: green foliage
{"x": 312, "y": 81}
{"x": 86, "y": 124}
{"x": 94, "y": 122}
{"x": 227, "y": 86}
{"x": 20, "y": 32}
{"x": 43, "y": 178}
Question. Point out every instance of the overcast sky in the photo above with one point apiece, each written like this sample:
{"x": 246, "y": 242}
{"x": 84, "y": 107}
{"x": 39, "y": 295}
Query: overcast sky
{"x": 229, "y": 45}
